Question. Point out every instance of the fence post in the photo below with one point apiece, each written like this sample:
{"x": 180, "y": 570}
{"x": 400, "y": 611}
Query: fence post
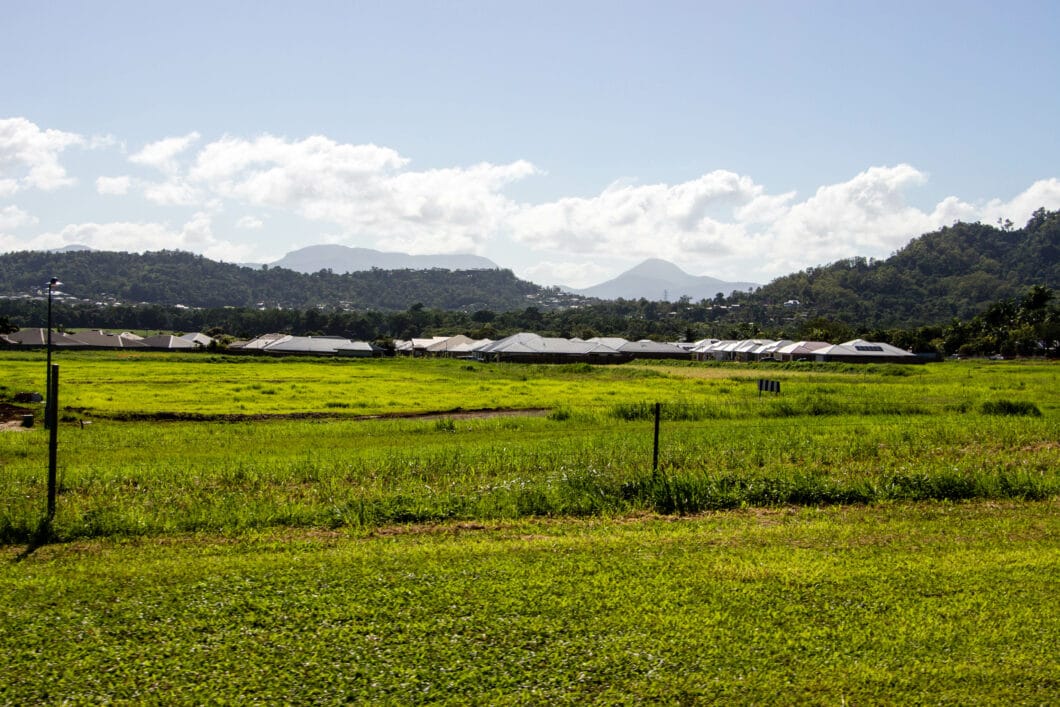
{"x": 655, "y": 448}
{"x": 52, "y": 418}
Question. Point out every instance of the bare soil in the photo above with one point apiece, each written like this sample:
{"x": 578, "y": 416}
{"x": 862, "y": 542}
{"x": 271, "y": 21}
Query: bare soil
{"x": 11, "y": 417}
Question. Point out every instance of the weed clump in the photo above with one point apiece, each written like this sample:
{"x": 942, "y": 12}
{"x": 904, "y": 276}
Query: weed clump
{"x": 1010, "y": 407}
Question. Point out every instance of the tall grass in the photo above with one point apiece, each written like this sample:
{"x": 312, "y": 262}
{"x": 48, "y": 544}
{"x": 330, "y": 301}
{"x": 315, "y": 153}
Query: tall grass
{"x": 130, "y": 478}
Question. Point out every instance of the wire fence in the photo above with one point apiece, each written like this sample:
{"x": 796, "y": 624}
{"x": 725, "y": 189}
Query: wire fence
{"x": 683, "y": 456}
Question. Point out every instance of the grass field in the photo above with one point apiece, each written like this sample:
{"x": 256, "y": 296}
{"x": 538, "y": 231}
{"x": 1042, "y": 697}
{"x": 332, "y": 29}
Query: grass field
{"x": 896, "y": 604}
{"x": 835, "y": 435}
{"x": 256, "y": 530}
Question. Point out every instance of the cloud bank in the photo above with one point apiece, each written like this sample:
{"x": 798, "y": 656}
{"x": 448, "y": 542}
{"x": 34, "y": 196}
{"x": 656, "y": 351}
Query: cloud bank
{"x": 722, "y": 223}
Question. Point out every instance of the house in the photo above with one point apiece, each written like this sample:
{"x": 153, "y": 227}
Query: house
{"x": 533, "y": 348}
{"x": 257, "y": 344}
{"x": 320, "y": 345}
{"x": 799, "y": 350}
{"x": 417, "y": 346}
{"x": 861, "y": 351}
{"x": 99, "y": 339}
{"x": 442, "y": 348}
{"x": 168, "y": 343}
{"x": 645, "y": 348}
{"x": 38, "y": 336}
{"x": 198, "y": 339}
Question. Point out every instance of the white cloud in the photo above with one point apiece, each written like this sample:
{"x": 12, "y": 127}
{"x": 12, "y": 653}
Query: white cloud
{"x": 569, "y": 273}
{"x": 250, "y": 223}
{"x": 364, "y": 189}
{"x": 116, "y": 186}
{"x": 1043, "y": 193}
{"x": 196, "y": 236}
{"x": 655, "y": 220}
{"x": 722, "y": 223}
{"x": 29, "y": 156}
{"x": 727, "y": 226}
{"x": 12, "y": 217}
{"x": 175, "y": 192}
{"x": 162, "y": 154}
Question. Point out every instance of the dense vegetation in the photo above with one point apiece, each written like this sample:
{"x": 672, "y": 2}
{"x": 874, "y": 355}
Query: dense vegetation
{"x": 1027, "y": 326}
{"x": 957, "y": 271}
{"x": 170, "y": 278}
{"x": 969, "y": 288}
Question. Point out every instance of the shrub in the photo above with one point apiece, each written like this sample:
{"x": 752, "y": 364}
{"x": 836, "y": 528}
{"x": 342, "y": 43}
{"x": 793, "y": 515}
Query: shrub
{"x": 1010, "y": 407}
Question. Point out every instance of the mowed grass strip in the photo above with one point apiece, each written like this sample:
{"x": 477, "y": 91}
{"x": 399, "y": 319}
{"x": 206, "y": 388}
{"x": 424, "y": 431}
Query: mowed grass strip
{"x": 899, "y": 603}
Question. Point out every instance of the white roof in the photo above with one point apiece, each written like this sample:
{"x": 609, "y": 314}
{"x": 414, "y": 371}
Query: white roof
{"x": 798, "y": 348}
{"x": 614, "y": 342}
{"x": 167, "y": 342}
{"x": 420, "y": 343}
{"x": 264, "y": 340}
{"x": 316, "y": 344}
{"x": 471, "y": 345}
{"x": 449, "y": 343}
{"x": 527, "y": 343}
{"x": 874, "y": 348}
{"x": 197, "y": 338}
{"x": 751, "y": 345}
{"x": 775, "y": 346}
{"x": 658, "y": 347}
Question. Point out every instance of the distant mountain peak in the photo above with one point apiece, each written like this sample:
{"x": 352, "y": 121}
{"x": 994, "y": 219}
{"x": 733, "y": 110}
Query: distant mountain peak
{"x": 658, "y": 279}
{"x": 657, "y": 267}
{"x": 343, "y": 259}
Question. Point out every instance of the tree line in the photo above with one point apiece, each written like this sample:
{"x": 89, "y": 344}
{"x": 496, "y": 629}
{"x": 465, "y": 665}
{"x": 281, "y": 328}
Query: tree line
{"x": 1028, "y": 325}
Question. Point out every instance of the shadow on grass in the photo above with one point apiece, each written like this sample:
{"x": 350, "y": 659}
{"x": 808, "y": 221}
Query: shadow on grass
{"x": 37, "y": 538}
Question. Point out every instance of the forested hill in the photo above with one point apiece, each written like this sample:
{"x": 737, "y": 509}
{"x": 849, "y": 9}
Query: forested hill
{"x": 957, "y": 271}
{"x": 180, "y": 278}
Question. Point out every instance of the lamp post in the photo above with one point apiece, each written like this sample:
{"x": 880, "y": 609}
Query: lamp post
{"x": 48, "y": 346}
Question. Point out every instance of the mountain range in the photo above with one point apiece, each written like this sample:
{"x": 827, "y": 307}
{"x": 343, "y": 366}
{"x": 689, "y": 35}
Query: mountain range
{"x": 955, "y": 272}
{"x": 344, "y": 259}
{"x": 653, "y": 279}
{"x": 656, "y": 280}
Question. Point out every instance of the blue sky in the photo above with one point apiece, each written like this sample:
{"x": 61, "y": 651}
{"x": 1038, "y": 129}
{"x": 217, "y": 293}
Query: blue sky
{"x": 567, "y": 141}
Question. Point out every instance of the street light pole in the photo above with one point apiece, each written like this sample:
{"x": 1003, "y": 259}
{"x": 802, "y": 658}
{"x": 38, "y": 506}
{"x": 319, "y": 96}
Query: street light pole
{"x": 48, "y": 380}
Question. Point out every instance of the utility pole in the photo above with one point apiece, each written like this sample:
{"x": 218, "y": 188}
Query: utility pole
{"x": 48, "y": 345}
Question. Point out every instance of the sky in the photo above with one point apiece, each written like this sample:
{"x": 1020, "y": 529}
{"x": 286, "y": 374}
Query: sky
{"x": 565, "y": 140}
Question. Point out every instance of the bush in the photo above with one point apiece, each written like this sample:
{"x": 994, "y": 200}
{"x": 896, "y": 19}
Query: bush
{"x": 1010, "y": 407}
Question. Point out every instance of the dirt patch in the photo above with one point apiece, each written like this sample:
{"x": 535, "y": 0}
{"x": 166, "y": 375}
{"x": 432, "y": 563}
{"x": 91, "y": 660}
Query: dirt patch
{"x": 11, "y": 417}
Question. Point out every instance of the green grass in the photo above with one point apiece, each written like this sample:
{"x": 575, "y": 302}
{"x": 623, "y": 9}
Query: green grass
{"x": 106, "y": 384}
{"x": 835, "y": 436}
{"x": 236, "y": 530}
{"x": 896, "y": 604}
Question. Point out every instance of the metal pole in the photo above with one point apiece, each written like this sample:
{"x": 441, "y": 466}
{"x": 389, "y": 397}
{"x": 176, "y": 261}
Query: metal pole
{"x": 53, "y": 437}
{"x": 48, "y": 346}
{"x": 48, "y": 378}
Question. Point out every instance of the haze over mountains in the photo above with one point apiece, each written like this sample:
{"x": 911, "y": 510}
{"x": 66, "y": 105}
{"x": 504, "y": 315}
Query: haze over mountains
{"x": 656, "y": 280}
{"x": 956, "y": 271}
{"x": 344, "y": 259}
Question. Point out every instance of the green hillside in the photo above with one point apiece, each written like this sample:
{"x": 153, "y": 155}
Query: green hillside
{"x": 172, "y": 278}
{"x": 957, "y": 271}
